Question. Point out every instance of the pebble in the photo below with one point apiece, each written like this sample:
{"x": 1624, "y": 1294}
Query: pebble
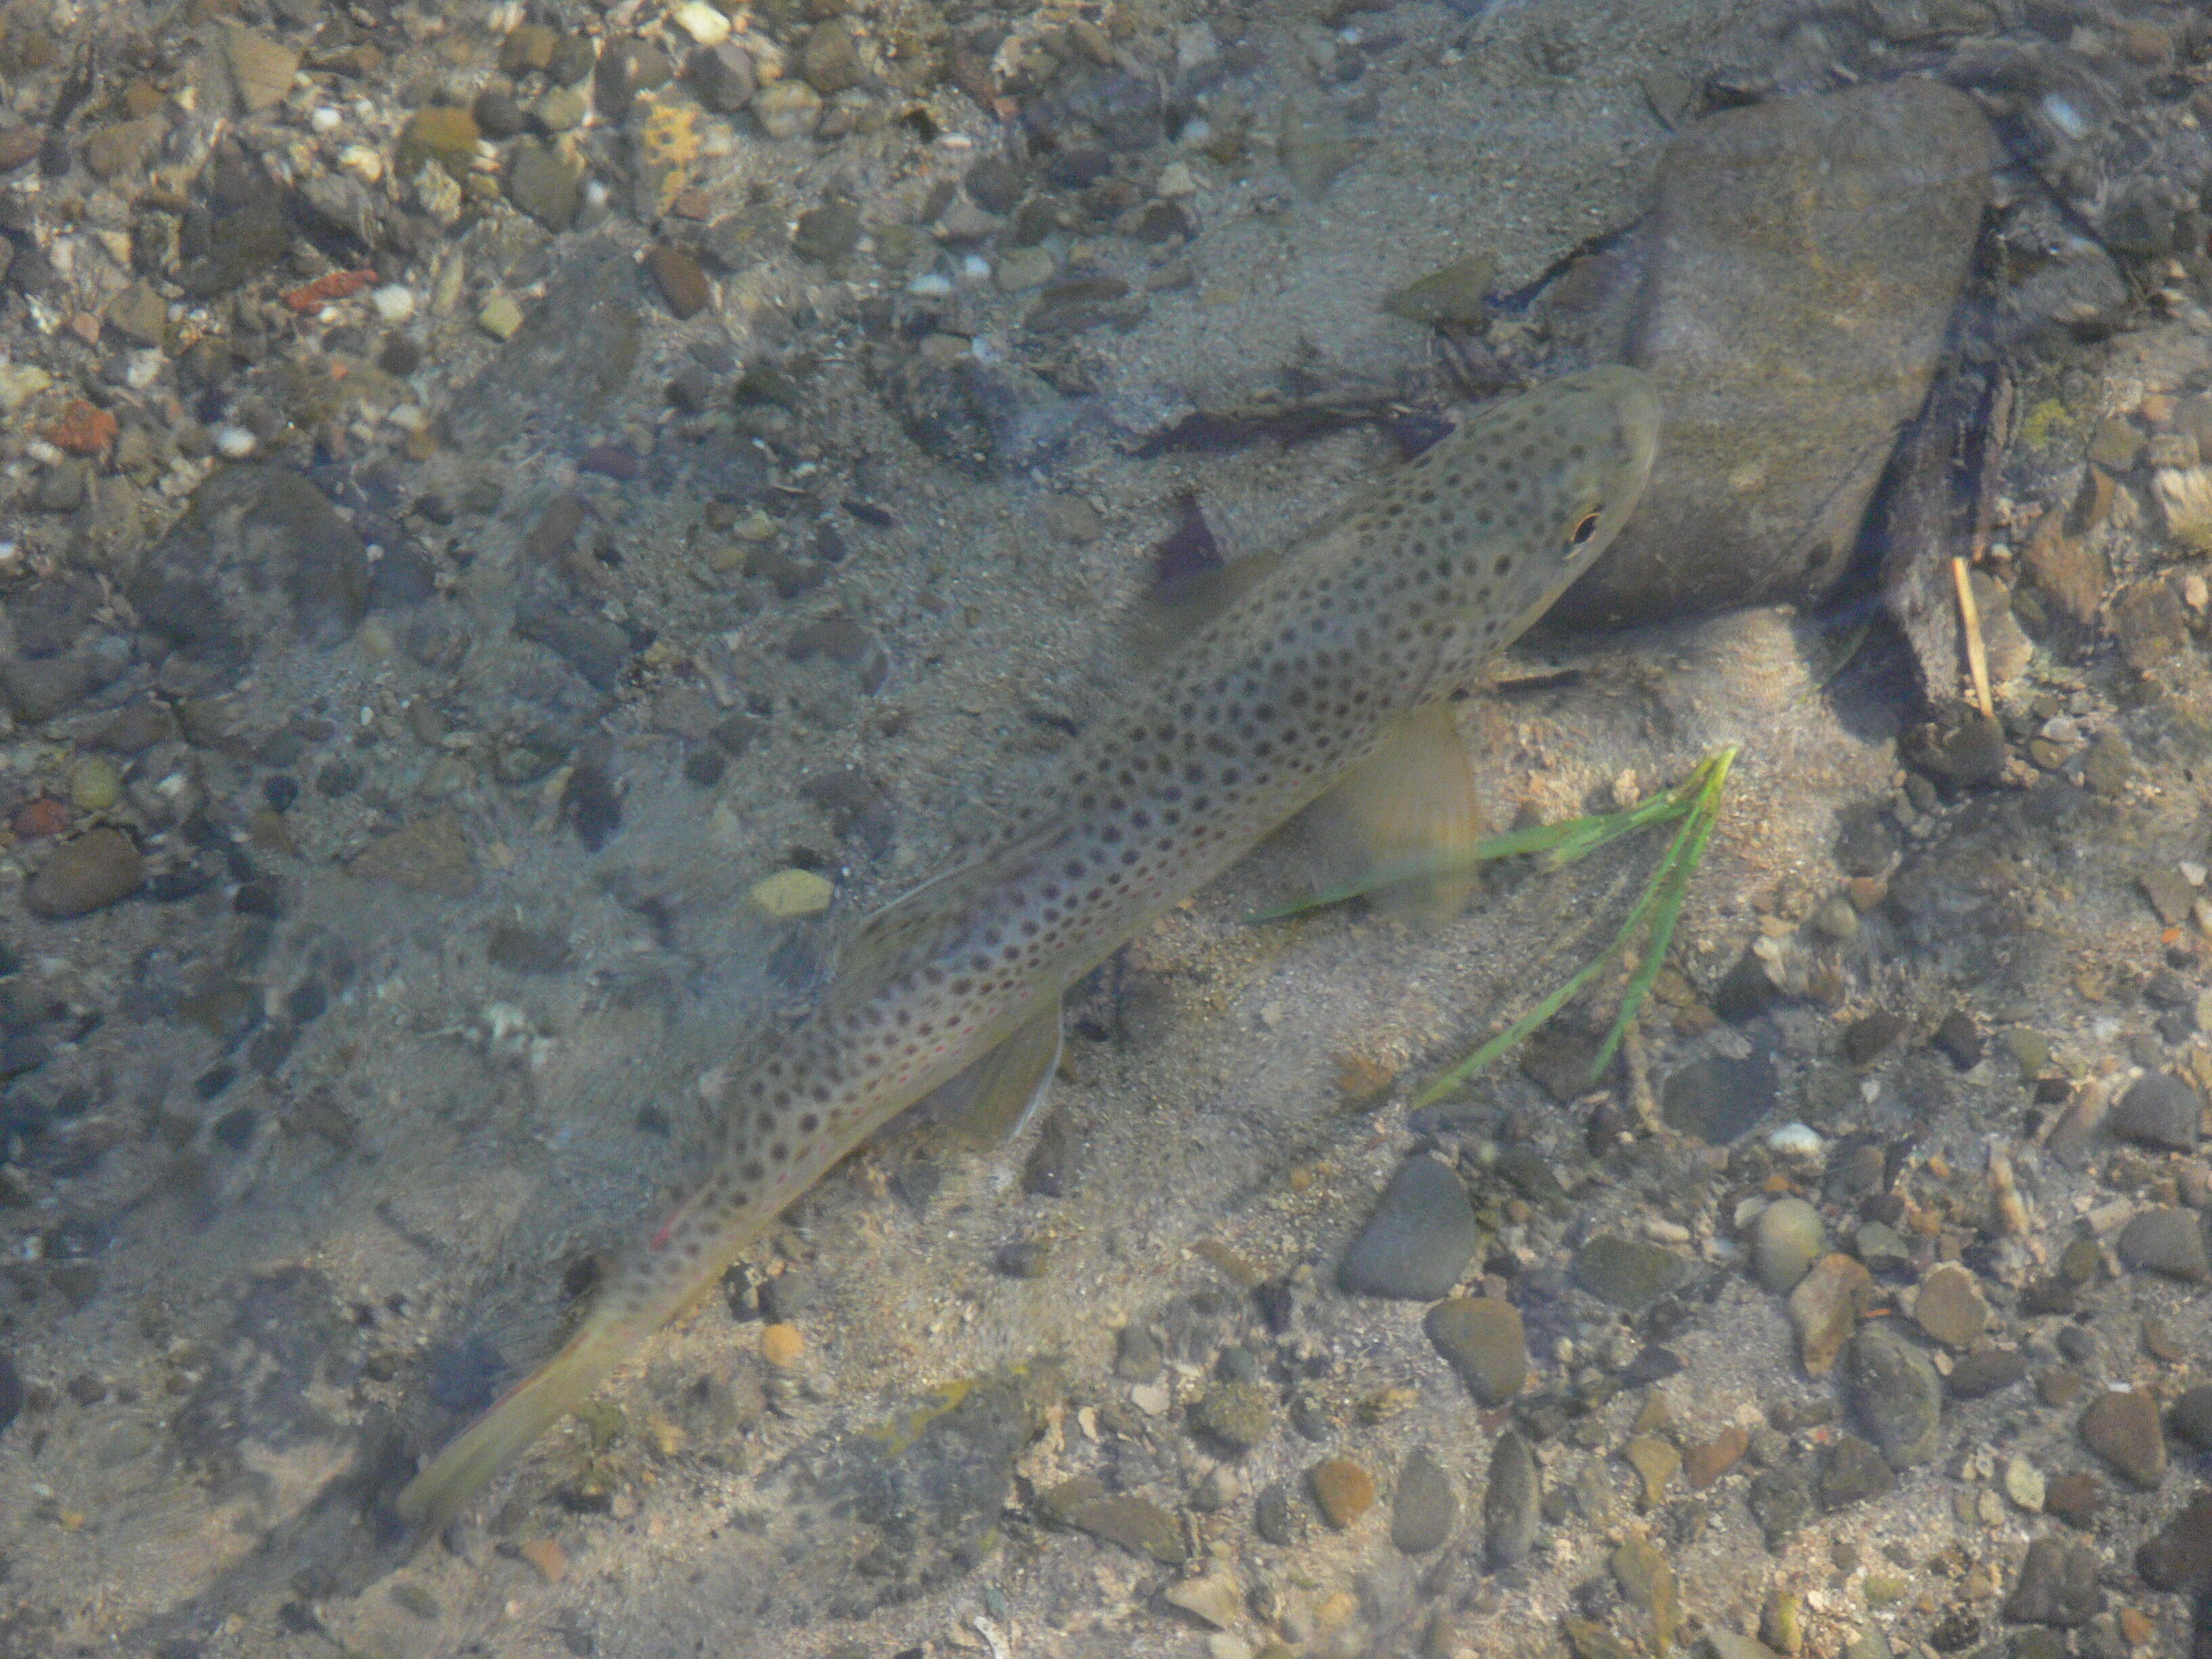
{"x": 1855, "y": 1471}
{"x": 2159, "y": 1110}
{"x": 1022, "y": 268}
{"x": 547, "y": 1556}
{"x": 2179, "y": 1558}
{"x": 1949, "y": 1306}
{"x": 787, "y": 109}
{"x": 684, "y": 286}
{"x": 1136, "y": 1524}
{"x": 1424, "y": 1508}
{"x": 1879, "y": 190}
{"x": 2057, "y": 1585}
{"x": 1647, "y": 1580}
{"x": 96, "y": 869}
{"x": 1628, "y": 1273}
{"x": 2191, "y": 1417}
{"x": 499, "y": 317}
{"x": 2121, "y": 1426}
{"x": 1979, "y": 1374}
{"x": 1511, "y": 1502}
{"x": 1787, "y": 1239}
{"x": 1709, "y": 1460}
{"x": 394, "y": 303}
{"x": 94, "y": 784}
{"x": 2074, "y": 1497}
{"x": 706, "y": 24}
{"x": 2025, "y": 1484}
{"x": 1343, "y": 1490}
{"x": 1483, "y": 1339}
{"x": 2167, "y": 1240}
{"x": 1720, "y": 1100}
{"x": 1824, "y": 1310}
{"x": 723, "y": 77}
{"x": 1420, "y": 1239}
{"x": 1896, "y": 1393}
{"x": 1656, "y": 1462}
{"x": 791, "y": 893}
{"x": 1234, "y": 1415}
{"x": 782, "y": 1345}
{"x": 543, "y": 185}
{"x": 1456, "y": 294}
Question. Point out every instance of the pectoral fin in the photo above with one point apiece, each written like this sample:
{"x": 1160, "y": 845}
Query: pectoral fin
{"x": 993, "y": 1101}
{"x": 1410, "y": 802}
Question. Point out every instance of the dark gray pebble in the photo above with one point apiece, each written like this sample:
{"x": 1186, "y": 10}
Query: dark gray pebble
{"x": 1719, "y": 1101}
{"x": 2057, "y": 1585}
{"x": 2191, "y": 1417}
{"x": 1855, "y": 1472}
{"x": 1896, "y": 1393}
{"x": 1628, "y": 1273}
{"x": 1420, "y": 1239}
{"x": 1426, "y": 1508}
{"x": 2169, "y": 1241}
{"x": 1510, "y": 1503}
{"x": 2159, "y": 1110}
{"x": 1985, "y": 1373}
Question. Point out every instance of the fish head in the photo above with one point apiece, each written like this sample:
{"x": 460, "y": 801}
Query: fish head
{"x": 1583, "y": 446}
{"x": 1543, "y": 484}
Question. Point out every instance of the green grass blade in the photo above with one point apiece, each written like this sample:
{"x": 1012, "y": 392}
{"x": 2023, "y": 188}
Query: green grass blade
{"x": 1671, "y": 885}
{"x": 1697, "y": 800}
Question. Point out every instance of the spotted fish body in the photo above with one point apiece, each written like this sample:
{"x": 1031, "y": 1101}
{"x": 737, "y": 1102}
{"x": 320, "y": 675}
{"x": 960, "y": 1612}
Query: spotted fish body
{"x": 1389, "y": 609}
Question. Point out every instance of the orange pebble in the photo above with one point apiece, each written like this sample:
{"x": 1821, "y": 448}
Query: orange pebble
{"x": 81, "y": 429}
{"x": 44, "y": 816}
{"x": 781, "y": 1345}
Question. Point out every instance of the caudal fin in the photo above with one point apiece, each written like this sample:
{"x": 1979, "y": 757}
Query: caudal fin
{"x": 527, "y": 1411}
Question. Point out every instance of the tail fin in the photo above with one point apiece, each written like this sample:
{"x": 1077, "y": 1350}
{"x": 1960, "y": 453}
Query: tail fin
{"x": 527, "y": 1411}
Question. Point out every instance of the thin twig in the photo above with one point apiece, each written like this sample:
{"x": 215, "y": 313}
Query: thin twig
{"x": 1970, "y": 620}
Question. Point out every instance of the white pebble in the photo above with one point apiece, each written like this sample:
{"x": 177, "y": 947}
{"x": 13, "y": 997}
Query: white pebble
{"x": 704, "y": 24}
{"x": 364, "y": 162}
{"x": 974, "y": 268}
{"x": 2193, "y": 872}
{"x": 1796, "y": 1141}
{"x": 394, "y": 302}
{"x": 233, "y": 443}
{"x": 324, "y": 119}
{"x": 1150, "y": 1398}
{"x": 931, "y": 284}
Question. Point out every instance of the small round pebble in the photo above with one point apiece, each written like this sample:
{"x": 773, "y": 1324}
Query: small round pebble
{"x": 1234, "y": 1415}
{"x": 1787, "y": 1239}
{"x": 781, "y": 1345}
{"x": 787, "y": 108}
{"x": 1342, "y": 1491}
{"x": 1424, "y": 1508}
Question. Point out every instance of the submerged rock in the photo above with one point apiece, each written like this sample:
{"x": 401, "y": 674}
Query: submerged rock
{"x": 1804, "y": 261}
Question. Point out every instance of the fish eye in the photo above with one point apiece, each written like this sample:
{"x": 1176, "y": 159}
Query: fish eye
{"x": 1583, "y": 530}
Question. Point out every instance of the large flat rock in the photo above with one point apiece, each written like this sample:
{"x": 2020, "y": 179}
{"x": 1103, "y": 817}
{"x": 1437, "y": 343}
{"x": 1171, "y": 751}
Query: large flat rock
{"x": 1805, "y": 257}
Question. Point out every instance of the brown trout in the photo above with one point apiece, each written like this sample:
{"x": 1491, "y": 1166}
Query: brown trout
{"x": 1348, "y": 644}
